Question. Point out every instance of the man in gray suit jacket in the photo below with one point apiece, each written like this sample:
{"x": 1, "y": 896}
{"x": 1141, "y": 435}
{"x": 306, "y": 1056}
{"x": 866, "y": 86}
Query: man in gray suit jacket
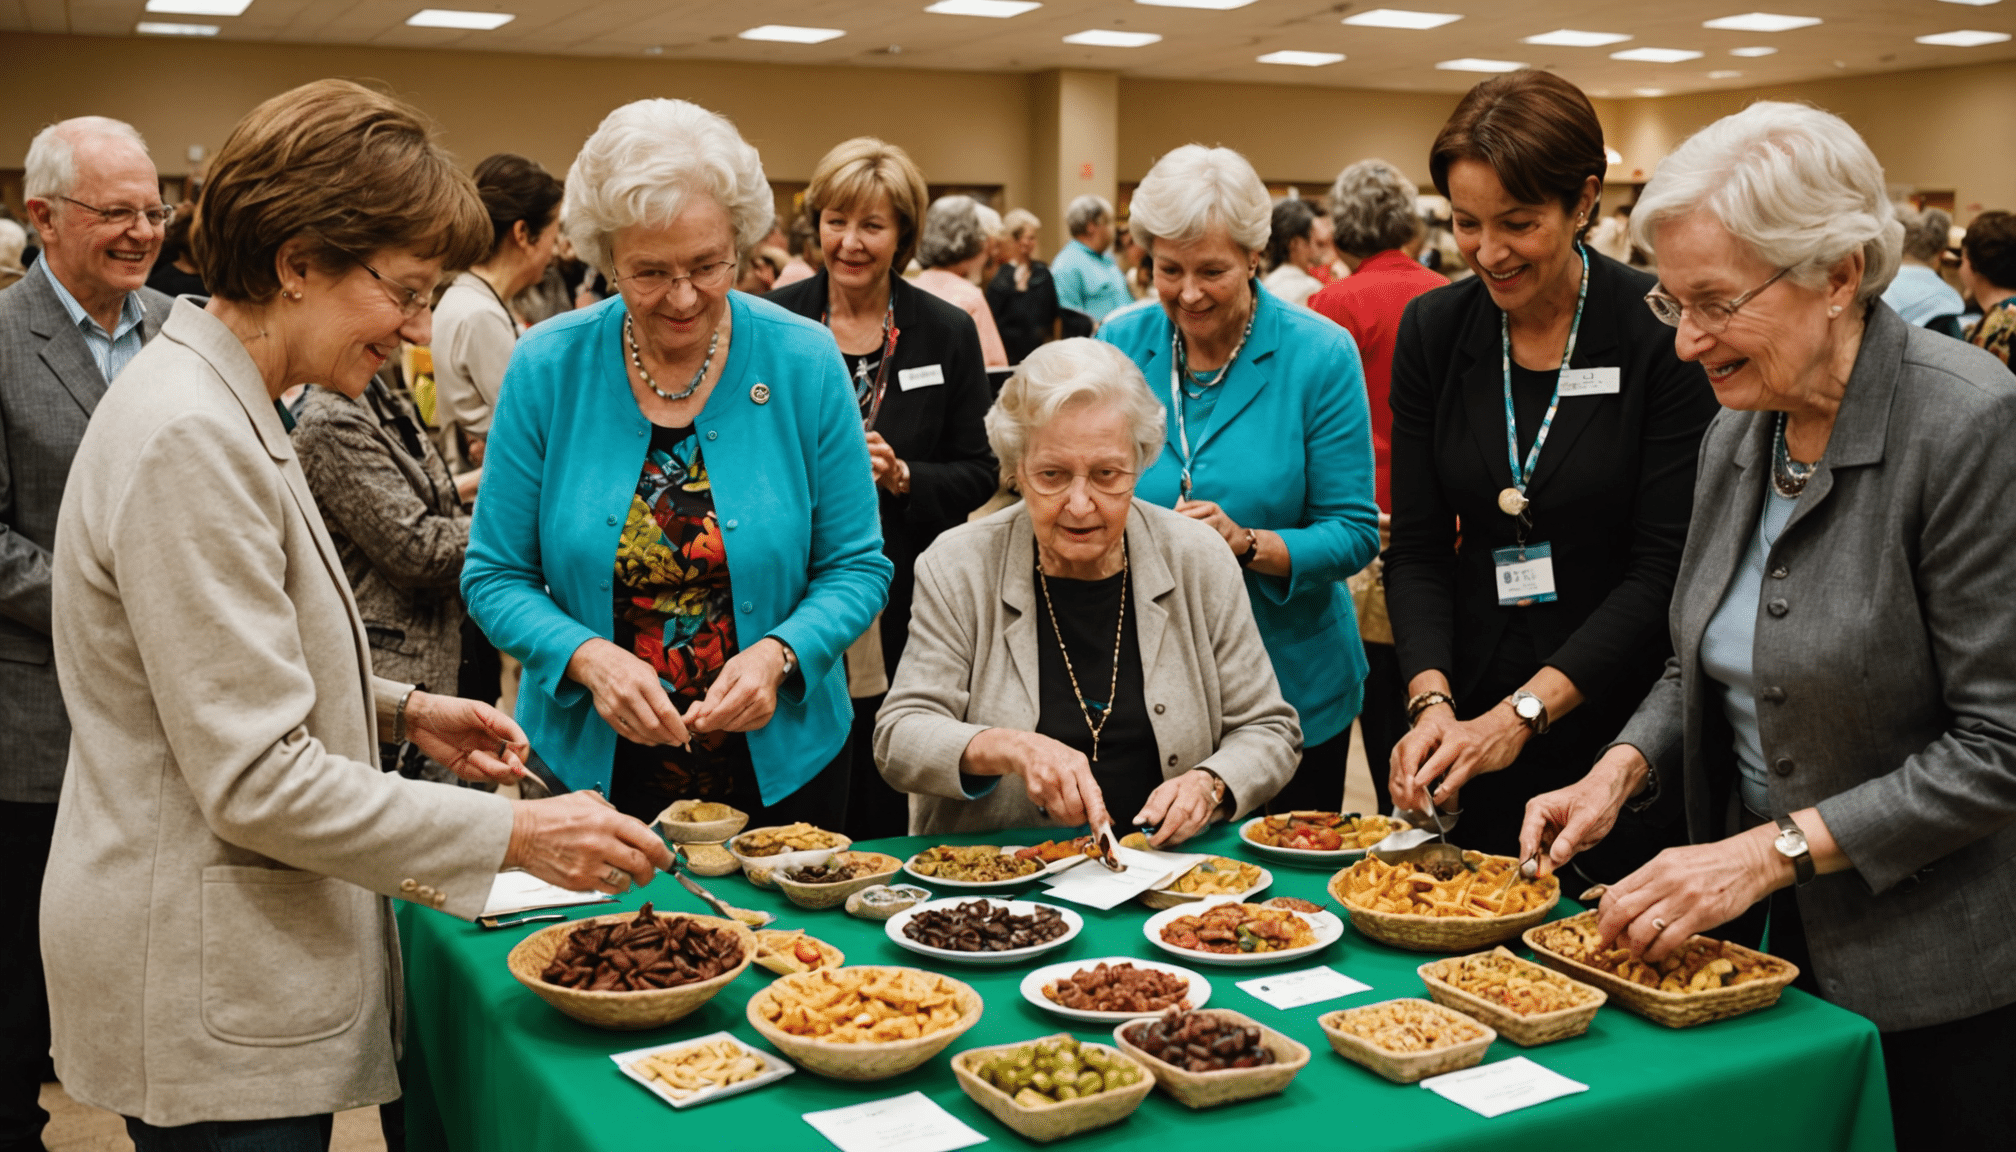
{"x": 66, "y": 329}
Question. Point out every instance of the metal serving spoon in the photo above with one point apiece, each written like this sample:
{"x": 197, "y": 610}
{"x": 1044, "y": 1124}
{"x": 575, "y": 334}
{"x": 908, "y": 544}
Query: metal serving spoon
{"x": 722, "y": 908}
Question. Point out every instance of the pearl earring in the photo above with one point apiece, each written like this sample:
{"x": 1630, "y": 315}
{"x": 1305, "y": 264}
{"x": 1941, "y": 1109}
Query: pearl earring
{"x": 1834, "y": 311}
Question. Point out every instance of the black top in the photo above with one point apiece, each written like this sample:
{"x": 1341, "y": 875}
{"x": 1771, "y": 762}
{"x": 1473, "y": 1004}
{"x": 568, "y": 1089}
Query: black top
{"x": 935, "y": 428}
{"x": 1023, "y": 316}
{"x": 1129, "y": 765}
{"x": 1611, "y": 493}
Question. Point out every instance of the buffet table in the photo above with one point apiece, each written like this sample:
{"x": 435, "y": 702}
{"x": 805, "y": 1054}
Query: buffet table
{"x": 488, "y": 1066}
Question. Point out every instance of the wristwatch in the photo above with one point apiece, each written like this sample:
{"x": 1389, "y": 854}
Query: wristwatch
{"x": 1791, "y": 844}
{"x": 790, "y": 657}
{"x": 1252, "y": 551}
{"x": 1217, "y": 790}
{"x": 1531, "y": 710}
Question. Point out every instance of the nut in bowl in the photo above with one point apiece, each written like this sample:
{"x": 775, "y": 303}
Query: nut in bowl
{"x": 863, "y": 1023}
{"x": 1054, "y": 1087}
{"x": 699, "y": 822}
{"x": 1407, "y": 1040}
{"x": 1522, "y": 1001}
{"x": 880, "y": 902}
{"x": 631, "y": 971}
{"x": 983, "y": 931}
{"x": 1443, "y": 907}
{"x": 1702, "y": 980}
{"x": 762, "y": 851}
{"x": 828, "y": 884}
{"x": 1242, "y": 1059}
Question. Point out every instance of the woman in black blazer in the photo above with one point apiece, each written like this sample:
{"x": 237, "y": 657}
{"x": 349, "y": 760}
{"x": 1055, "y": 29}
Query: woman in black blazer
{"x": 922, "y": 386}
{"x": 1518, "y": 600}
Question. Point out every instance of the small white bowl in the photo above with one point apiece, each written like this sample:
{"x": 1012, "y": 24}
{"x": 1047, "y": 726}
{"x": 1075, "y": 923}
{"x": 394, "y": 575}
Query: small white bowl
{"x": 758, "y": 868}
{"x": 1327, "y": 926}
{"x": 1032, "y": 987}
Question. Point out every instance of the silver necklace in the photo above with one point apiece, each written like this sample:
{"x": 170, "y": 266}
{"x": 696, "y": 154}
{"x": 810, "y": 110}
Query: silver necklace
{"x": 630, "y": 338}
{"x": 1788, "y": 477}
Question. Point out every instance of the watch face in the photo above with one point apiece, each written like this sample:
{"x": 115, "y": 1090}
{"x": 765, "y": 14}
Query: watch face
{"x": 1528, "y": 707}
{"x": 1791, "y": 843}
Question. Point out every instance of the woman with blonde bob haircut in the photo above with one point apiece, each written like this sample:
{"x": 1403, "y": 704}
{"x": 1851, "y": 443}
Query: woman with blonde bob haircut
{"x": 920, "y": 391}
{"x": 677, "y": 534}
{"x": 1269, "y": 437}
{"x": 1091, "y": 644}
{"x": 1839, "y": 719}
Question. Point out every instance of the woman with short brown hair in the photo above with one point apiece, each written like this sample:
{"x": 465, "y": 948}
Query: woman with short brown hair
{"x": 1543, "y": 449}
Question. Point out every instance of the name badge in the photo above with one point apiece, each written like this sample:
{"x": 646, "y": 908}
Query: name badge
{"x": 931, "y": 374}
{"x": 1525, "y": 574}
{"x": 1591, "y": 381}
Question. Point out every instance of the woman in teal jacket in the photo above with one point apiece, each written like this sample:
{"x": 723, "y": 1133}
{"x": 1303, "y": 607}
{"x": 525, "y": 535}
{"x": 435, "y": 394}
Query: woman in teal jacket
{"x": 677, "y": 532}
{"x": 1270, "y": 439}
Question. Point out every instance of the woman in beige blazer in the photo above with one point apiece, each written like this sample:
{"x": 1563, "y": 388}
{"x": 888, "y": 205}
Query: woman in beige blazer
{"x": 223, "y": 967}
{"x": 1099, "y": 649}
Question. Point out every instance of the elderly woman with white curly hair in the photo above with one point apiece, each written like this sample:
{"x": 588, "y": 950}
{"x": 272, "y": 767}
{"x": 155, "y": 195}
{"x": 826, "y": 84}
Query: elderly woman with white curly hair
{"x": 678, "y": 532}
{"x": 1270, "y": 437}
{"x": 1083, "y": 640}
{"x": 1840, "y": 714}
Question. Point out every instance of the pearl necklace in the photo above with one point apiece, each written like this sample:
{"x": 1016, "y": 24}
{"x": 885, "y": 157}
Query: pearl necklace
{"x": 630, "y": 338}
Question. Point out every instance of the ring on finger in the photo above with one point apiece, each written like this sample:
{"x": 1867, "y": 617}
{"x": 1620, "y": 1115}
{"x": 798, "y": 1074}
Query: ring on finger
{"x": 615, "y": 878}
{"x": 1658, "y": 924}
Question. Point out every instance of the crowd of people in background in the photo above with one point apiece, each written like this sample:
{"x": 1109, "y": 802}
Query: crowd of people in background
{"x": 389, "y": 491}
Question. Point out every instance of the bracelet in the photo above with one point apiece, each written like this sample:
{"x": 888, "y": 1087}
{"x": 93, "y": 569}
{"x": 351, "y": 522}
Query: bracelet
{"x": 1252, "y": 552}
{"x": 1423, "y": 701}
{"x": 399, "y": 717}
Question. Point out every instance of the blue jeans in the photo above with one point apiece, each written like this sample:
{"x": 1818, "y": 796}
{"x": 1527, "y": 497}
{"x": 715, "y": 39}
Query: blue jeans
{"x": 292, "y": 1134}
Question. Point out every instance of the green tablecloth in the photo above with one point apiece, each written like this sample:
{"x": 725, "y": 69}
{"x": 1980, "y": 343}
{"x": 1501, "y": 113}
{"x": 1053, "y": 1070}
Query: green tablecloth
{"x": 490, "y": 1066}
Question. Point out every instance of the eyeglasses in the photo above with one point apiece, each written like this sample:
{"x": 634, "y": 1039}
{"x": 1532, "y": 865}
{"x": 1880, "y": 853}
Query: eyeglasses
{"x": 1057, "y": 481}
{"x": 159, "y": 216}
{"x": 1711, "y": 316}
{"x": 654, "y": 282}
{"x": 411, "y": 301}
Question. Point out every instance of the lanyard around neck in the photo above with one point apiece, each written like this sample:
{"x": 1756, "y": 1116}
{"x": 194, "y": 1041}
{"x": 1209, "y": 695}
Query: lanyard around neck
{"x": 1522, "y": 476}
{"x": 1179, "y": 364}
{"x": 889, "y": 335}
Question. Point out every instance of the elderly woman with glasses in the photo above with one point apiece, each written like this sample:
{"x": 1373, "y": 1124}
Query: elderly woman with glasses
{"x": 677, "y": 531}
{"x": 1092, "y": 645}
{"x": 1839, "y": 717}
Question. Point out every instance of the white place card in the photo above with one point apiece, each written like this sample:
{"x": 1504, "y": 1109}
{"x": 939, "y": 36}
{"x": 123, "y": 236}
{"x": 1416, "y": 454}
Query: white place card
{"x": 1297, "y": 989}
{"x": 1507, "y": 1086}
{"x": 522, "y": 892}
{"x": 1094, "y": 886}
{"x": 912, "y": 1122}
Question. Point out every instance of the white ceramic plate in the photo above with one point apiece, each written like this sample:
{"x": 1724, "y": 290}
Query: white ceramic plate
{"x": 1073, "y": 925}
{"x": 980, "y": 885}
{"x": 1303, "y": 856}
{"x": 1032, "y": 988}
{"x": 1265, "y": 882}
{"x": 775, "y": 1069}
{"x": 1327, "y": 926}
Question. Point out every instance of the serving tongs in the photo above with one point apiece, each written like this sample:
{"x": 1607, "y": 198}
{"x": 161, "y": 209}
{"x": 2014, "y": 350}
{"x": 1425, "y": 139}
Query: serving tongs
{"x": 1102, "y": 839}
{"x": 722, "y": 908}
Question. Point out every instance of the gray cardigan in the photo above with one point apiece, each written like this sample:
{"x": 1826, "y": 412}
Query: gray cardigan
{"x": 971, "y": 665}
{"x": 1885, "y": 669}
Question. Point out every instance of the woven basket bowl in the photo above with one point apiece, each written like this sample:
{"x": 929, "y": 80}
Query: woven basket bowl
{"x": 863, "y": 1061}
{"x": 1161, "y": 899}
{"x": 1055, "y": 1121}
{"x": 761, "y": 870}
{"x": 701, "y": 832}
{"x": 621, "y": 1011}
{"x": 1525, "y": 1031}
{"x": 1418, "y": 933}
{"x": 817, "y": 896}
{"x": 1407, "y": 1067}
{"x": 1210, "y": 1089}
{"x": 1673, "y": 1009}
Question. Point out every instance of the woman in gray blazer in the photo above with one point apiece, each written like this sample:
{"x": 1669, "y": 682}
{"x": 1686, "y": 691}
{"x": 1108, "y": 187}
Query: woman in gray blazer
{"x": 1840, "y": 714}
{"x": 1098, "y": 648}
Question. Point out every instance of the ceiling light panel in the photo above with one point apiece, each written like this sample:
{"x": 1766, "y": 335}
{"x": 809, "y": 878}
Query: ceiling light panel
{"x": 994, "y": 9}
{"x": 1753, "y": 52}
{"x": 1964, "y": 39}
{"x": 457, "y": 18}
{"x": 1301, "y": 59}
{"x": 199, "y": 7}
{"x": 1400, "y": 18}
{"x": 1570, "y": 38}
{"x": 159, "y": 28}
{"x": 1724, "y": 74}
{"x": 790, "y": 34}
{"x": 1760, "y": 22}
{"x": 1655, "y": 55}
{"x": 1109, "y": 38}
{"x": 1473, "y": 64}
{"x": 1214, "y": 5}
{"x": 1975, "y": 3}
{"x": 1649, "y": 91}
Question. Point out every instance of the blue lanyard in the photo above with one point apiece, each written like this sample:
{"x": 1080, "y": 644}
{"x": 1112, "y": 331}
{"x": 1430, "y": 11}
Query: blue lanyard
{"x": 1521, "y": 476}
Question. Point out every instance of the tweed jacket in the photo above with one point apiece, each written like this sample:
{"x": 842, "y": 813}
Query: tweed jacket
{"x": 223, "y": 815}
{"x": 1212, "y": 698}
{"x": 1885, "y": 672}
{"x": 49, "y": 386}
{"x": 397, "y": 524}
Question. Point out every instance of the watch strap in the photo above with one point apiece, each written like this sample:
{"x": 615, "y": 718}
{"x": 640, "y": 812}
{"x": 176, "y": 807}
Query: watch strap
{"x": 1539, "y": 722}
{"x": 1802, "y": 862}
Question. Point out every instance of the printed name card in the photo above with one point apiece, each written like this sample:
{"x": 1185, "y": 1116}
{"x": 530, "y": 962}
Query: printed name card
{"x": 909, "y": 1123}
{"x": 1298, "y": 989}
{"x": 1507, "y": 1086}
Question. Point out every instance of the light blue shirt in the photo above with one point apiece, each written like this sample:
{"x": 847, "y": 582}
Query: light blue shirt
{"x": 112, "y": 350}
{"x": 1919, "y": 295}
{"x": 1728, "y": 649}
{"x": 1089, "y": 281}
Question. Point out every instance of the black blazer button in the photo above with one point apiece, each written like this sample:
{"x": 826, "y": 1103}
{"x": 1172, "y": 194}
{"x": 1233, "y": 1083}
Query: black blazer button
{"x": 1771, "y": 695}
{"x": 1783, "y": 767}
{"x": 1172, "y": 761}
{"x": 1779, "y": 573}
{"x": 1159, "y": 709}
{"x": 1777, "y": 607}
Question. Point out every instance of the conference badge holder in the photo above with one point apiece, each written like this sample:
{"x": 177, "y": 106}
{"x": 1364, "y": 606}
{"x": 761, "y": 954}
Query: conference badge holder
{"x": 1525, "y": 574}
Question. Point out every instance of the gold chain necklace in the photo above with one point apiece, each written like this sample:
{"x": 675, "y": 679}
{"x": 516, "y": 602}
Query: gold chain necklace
{"x": 1119, "y": 631}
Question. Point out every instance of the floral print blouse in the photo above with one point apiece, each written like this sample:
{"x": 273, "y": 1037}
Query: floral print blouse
{"x": 1995, "y": 329}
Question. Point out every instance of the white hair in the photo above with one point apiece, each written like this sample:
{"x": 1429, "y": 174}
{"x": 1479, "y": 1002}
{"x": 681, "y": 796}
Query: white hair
{"x": 642, "y": 163}
{"x": 52, "y": 155}
{"x": 1066, "y": 373}
{"x": 1086, "y": 211}
{"x": 1193, "y": 189}
{"x": 990, "y": 221}
{"x": 1796, "y": 184}
{"x": 952, "y": 232}
{"x": 13, "y": 241}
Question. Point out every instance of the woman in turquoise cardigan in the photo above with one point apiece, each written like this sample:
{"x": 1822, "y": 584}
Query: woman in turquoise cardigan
{"x": 1270, "y": 439}
{"x": 677, "y": 531}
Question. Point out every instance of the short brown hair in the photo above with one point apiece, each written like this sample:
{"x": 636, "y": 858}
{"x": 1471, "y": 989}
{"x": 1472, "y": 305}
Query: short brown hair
{"x": 516, "y": 188}
{"x": 1538, "y": 132}
{"x": 857, "y": 171}
{"x": 1990, "y": 247}
{"x": 352, "y": 170}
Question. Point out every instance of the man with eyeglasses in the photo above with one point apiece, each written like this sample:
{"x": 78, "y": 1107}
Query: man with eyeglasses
{"x": 67, "y": 328}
